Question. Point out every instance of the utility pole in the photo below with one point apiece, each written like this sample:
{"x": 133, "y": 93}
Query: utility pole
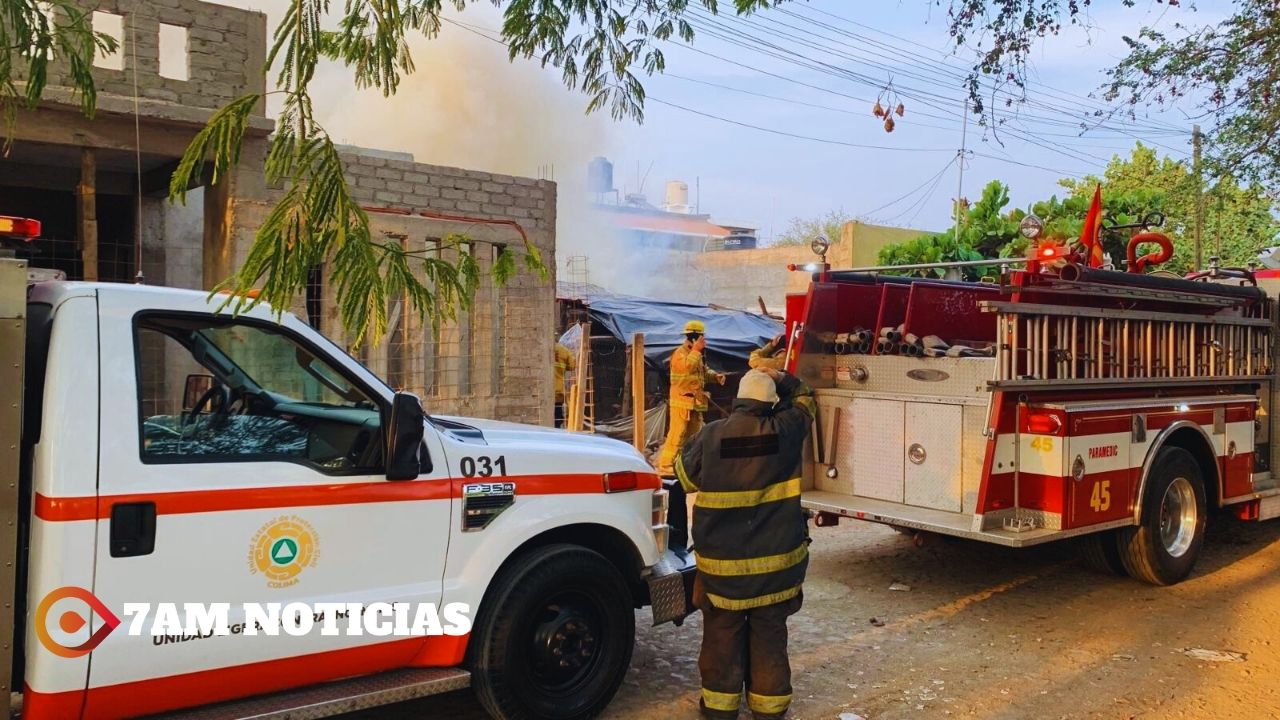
{"x": 964, "y": 130}
{"x": 1196, "y": 140}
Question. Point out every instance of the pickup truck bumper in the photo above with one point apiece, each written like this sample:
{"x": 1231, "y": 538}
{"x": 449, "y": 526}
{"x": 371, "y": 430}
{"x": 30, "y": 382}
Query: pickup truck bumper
{"x": 670, "y": 584}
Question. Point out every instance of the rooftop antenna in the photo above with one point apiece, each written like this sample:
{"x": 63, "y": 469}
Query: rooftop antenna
{"x": 646, "y": 175}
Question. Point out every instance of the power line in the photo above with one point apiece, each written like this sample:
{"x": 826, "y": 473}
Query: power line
{"x": 829, "y": 141}
{"x": 716, "y": 27}
{"x": 789, "y": 101}
{"x": 784, "y": 133}
{"x": 913, "y": 190}
{"x": 918, "y": 205}
{"x": 774, "y": 131}
{"x": 1057, "y": 94}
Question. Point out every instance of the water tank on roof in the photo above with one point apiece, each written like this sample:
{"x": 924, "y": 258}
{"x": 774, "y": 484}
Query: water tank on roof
{"x": 600, "y": 175}
{"x": 677, "y": 197}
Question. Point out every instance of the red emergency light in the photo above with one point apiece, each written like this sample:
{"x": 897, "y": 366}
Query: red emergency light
{"x": 1050, "y": 251}
{"x": 21, "y": 228}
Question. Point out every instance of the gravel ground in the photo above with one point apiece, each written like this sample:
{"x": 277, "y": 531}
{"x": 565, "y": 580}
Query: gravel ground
{"x": 990, "y": 632}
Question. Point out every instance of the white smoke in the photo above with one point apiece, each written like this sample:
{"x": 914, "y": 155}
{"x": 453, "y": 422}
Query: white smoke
{"x": 468, "y": 106}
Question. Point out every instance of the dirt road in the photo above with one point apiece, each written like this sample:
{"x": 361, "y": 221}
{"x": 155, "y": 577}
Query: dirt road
{"x": 991, "y": 633}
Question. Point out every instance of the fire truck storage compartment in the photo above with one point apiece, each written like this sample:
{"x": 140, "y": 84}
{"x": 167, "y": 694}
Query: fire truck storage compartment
{"x": 892, "y": 447}
{"x": 950, "y": 311}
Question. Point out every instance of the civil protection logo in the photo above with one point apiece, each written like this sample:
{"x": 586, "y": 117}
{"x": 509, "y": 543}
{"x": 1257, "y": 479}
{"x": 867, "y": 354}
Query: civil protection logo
{"x": 282, "y": 549}
{"x": 70, "y": 622}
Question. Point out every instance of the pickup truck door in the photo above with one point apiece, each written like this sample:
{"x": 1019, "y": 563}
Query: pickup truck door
{"x": 268, "y": 488}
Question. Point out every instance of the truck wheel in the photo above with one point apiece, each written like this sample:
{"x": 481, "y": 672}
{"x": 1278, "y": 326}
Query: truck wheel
{"x": 1100, "y": 553}
{"x": 554, "y": 637}
{"x": 1164, "y": 547}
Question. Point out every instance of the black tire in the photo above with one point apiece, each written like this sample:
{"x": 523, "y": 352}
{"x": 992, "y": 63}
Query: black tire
{"x": 1100, "y": 553}
{"x": 1163, "y": 548}
{"x": 901, "y": 530}
{"x": 551, "y": 606}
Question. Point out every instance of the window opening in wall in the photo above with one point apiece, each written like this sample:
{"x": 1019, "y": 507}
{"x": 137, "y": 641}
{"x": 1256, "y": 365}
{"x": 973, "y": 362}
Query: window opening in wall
{"x": 112, "y": 25}
{"x": 498, "y": 329}
{"x": 174, "y": 52}
{"x": 466, "y": 334}
{"x": 315, "y": 296}
{"x": 432, "y": 368}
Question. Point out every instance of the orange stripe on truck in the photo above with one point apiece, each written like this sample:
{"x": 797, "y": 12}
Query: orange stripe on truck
{"x": 157, "y": 695}
{"x": 67, "y": 509}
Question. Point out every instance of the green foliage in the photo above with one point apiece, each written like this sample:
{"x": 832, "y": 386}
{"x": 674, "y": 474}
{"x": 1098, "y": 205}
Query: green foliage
{"x": 1228, "y": 70}
{"x": 1239, "y": 219}
{"x": 802, "y": 231}
{"x": 596, "y": 44}
{"x": 31, "y": 37}
{"x": 985, "y": 232}
{"x": 1242, "y": 218}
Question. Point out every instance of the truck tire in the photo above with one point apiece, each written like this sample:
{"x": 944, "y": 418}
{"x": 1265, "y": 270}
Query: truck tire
{"x": 553, "y": 639}
{"x": 1163, "y": 548}
{"x": 1100, "y": 553}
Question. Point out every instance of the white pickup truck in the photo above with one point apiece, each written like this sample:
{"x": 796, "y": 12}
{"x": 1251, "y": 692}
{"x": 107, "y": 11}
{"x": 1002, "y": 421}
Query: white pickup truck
{"x": 158, "y": 451}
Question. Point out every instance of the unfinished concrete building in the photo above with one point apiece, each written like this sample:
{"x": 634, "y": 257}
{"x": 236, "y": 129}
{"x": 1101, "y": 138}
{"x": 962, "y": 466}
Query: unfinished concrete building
{"x": 99, "y": 186}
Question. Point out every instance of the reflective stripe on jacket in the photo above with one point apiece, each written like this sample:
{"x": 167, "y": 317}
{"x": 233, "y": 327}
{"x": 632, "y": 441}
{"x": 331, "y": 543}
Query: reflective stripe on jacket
{"x": 749, "y": 530}
{"x": 688, "y": 379}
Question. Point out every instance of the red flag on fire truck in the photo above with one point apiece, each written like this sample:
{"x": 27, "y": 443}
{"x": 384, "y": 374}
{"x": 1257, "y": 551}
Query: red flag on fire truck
{"x": 1089, "y": 235}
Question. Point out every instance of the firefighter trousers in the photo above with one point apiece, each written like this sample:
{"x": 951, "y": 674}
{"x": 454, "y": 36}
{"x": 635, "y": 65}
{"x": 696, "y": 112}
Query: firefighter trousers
{"x": 683, "y": 424}
{"x": 745, "y": 649}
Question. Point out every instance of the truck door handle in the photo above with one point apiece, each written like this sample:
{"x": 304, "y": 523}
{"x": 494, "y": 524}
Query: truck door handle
{"x": 133, "y": 529}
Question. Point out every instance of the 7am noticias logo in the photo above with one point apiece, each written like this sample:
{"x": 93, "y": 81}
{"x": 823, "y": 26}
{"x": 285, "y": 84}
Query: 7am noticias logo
{"x": 59, "y": 631}
{"x": 63, "y": 620}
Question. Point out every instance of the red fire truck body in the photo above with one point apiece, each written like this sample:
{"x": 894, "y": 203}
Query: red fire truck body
{"x": 1062, "y": 401}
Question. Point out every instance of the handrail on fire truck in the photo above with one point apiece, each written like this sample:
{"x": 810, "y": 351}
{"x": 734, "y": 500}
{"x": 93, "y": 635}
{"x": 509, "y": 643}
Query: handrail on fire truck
{"x": 1061, "y": 346}
{"x": 939, "y": 265}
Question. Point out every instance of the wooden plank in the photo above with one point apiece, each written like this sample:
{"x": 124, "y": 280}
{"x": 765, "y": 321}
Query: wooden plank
{"x": 87, "y": 213}
{"x": 637, "y": 392}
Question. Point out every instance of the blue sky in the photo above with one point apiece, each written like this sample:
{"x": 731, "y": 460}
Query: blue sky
{"x": 468, "y": 106}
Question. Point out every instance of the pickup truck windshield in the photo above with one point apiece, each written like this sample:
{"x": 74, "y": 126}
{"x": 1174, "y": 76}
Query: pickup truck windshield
{"x": 219, "y": 390}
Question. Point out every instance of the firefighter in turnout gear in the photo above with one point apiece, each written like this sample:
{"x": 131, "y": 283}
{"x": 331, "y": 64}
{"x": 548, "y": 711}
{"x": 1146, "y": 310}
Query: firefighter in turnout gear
{"x": 751, "y": 542}
{"x": 564, "y": 362}
{"x": 773, "y": 355}
{"x": 686, "y": 403}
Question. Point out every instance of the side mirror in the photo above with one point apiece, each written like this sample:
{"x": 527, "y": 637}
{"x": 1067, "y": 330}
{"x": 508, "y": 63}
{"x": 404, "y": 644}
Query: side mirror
{"x": 403, "y": 431}
{"x": 196, "y": 387}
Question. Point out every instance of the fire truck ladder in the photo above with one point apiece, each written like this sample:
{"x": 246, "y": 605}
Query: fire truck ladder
{"x": 1058, "y": 346}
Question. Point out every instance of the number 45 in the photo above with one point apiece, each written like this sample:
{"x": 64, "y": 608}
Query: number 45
{"x": 1100, "y": 501}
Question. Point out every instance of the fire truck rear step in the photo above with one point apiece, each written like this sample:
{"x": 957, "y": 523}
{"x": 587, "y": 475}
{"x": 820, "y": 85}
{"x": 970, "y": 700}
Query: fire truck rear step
{"x": 335, "y": 698}
{"x": 938, "y": 521}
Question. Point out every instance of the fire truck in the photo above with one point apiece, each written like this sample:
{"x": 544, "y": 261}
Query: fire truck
{"x": 156, "y": 449}
{"x": 1055, "y": 401}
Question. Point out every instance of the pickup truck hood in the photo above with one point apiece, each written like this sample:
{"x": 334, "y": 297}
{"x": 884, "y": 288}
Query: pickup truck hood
{"x": 499, "y": 435}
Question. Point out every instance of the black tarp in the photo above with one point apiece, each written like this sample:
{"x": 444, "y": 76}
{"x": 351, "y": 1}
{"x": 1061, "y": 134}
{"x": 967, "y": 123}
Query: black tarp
{"x": 731, "y": 334}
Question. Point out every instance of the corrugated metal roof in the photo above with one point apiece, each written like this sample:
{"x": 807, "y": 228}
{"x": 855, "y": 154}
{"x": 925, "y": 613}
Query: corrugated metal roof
{"x": 669, "y": 223}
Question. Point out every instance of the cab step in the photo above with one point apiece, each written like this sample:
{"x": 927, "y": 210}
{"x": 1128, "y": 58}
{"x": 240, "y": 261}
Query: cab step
{"x": 335, "y": 698}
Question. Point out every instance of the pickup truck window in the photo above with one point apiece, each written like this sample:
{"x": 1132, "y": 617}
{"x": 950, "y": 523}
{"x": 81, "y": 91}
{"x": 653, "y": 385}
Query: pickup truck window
{"x": 217, "y": 390}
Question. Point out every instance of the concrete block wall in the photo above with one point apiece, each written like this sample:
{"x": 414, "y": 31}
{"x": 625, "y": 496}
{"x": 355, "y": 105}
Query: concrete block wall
{"x": 503, "y": 346}
{"x": 736, "y": 278}
{"x": 226, "y": 48}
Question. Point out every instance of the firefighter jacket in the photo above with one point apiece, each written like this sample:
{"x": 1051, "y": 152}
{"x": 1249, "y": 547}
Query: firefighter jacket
{"x": 768, "y": 356}
{"x": 749, "y": 530}
{"x": 564, "y": 360}
{"x": 689, "y": 378}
